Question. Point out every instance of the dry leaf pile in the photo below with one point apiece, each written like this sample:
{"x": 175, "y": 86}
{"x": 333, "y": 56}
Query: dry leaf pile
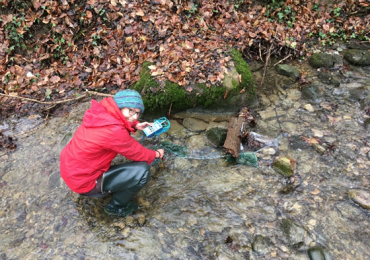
{"x": 72, "y": 46}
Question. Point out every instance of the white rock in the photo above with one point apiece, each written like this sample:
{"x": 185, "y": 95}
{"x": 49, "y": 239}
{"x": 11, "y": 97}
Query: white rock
{"x": 309, "y": 108}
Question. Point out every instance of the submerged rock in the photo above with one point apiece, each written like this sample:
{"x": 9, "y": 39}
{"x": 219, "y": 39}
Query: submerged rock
{"x": 262, "y": 245}
{"x": 217, "y": 136}
{"x": 312, "y": 92}
{"x": 194, "y": 124}
{"x": 294, "y": 232}
{"x": 316, "y": 253}
{"x": 284, "y": 165}
{"x": 360, "y": 197}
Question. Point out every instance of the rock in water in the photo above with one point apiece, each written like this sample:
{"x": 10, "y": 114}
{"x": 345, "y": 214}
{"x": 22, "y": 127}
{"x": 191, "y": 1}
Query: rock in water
{"x": 316, "y": 253}
{"x": 360, "y": 197}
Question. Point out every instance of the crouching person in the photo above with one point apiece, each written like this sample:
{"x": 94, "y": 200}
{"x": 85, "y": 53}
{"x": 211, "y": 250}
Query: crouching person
{"x": 85, "y": 163}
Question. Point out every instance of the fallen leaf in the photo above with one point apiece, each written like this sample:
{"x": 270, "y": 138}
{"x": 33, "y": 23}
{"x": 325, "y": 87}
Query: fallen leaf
{"x": 140, "y": 12}
{"x": 54, "y": 79}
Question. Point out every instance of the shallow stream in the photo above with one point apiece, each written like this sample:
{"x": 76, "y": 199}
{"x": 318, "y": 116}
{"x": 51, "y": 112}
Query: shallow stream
{"x": 204, "y": 207}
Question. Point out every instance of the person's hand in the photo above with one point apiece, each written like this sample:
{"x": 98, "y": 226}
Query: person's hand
{"x": 159, "y": 153}
{"x": 141, "y": 126}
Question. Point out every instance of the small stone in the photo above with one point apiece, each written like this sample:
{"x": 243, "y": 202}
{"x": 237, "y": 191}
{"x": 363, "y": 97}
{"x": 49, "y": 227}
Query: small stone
{"x": 294, "y": 233}
{"x": 121, "y": 225}
{"x": 262, "y": 245}
{"x": 360, "y": 197}
{"x": 316, "y": 253}
{"x": 319, "y": 148}
{"x": 125, "y": 232}
{"x": 284, "y": 165}
{"x": 141, "y": 219}
{"x": 317, "y": 133}
{"x": 309, "y": 108}
{"x": 129, "y": 220}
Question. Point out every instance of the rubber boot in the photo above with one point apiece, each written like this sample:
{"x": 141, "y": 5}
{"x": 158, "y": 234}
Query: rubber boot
{"x": 124, "y": 181}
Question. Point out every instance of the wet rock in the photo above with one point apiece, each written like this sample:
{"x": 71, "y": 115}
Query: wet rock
{"x": 360, "y": 197}
{"x": 294, "y": 233}
{"x": 358, "y": 57}
{"x": 204, "y": 115}
{"x": 287, "y": 70}
{"x": 316, "y": 253}
{"x": 216, "y": 136}
{"x": 129, "y": 221}
{"x": 141, "y": 219}
{"x": 349, "y": 211}
{"x": 266, "y": 153}
{"x": 322, "y": 60}
{"x": 125, "y": 232}
{"x": 367, "y": 123}
{"x": 318, "y": 148}
{"x": 312, "y": 92}
{"x": 284, "y": 165}
{"x": 194, "y": 124}
{"x": 196, "y": 142}
{"x": 309, "y": 108}
{"x": 67, "y": 137}
{"x": 296, "y": 143}
{"x": 262, "y": 245}
{"x": 329, "y": 79}
{"x": 176, "y": 130}
{"x": 182, "y": 164}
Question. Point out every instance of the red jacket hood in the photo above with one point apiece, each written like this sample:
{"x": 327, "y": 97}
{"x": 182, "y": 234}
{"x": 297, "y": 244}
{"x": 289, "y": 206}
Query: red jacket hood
{"x": 106, "y": 113}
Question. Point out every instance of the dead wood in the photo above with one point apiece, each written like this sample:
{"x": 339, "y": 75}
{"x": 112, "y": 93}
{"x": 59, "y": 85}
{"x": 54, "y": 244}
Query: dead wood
{"x": 236, "y": 130}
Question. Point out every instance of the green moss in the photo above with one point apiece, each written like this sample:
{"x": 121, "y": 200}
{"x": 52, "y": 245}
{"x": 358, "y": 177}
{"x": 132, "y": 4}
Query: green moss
{"x": 146, "y": 80}
{"x": 171, "y": 94}
{"x": 209, "y": 95}
{"x": 242, "y": 68}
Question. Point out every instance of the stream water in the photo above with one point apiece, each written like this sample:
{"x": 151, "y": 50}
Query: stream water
{"x": 205, "y": 208}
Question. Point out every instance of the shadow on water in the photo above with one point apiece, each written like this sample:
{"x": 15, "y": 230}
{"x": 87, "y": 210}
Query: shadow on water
{"x": 200, "y": 206}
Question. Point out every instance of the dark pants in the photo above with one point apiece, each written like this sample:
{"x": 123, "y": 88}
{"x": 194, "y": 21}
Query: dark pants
{"x": 123, "y": 181}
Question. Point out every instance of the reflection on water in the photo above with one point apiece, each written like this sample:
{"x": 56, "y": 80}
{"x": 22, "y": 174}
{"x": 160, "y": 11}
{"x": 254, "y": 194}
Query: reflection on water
{"x": 200, "y": 206}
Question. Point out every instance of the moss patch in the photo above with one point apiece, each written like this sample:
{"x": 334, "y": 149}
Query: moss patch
{"x": 158, "y": 96}
{"x": 243, "y": 69}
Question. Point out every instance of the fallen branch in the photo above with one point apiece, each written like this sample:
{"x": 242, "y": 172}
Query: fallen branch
{"x": 60, "y": 101}
{"x": 283, "y": 59}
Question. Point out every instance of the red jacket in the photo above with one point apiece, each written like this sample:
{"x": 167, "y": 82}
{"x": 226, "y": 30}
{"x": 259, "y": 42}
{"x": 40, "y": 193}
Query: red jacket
{"x": 104, "y": 133}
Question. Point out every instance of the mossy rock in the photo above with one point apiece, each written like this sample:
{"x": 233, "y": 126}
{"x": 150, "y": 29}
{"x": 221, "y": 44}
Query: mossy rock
{"x": 161, "y": 96}
{"x": 287, "y": 70}
{"x": 321, "y": 60}
{"x": 283, "y": 165}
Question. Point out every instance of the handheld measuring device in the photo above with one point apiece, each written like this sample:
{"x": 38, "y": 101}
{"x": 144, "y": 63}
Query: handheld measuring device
{"x": 160, "y": 126}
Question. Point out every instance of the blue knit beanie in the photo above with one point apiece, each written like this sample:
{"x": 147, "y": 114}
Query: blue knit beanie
{"x": 129, "y": 98}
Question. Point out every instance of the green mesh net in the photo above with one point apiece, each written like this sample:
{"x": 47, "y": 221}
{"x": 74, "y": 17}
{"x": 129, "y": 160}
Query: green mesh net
{"x": 246, "y": 158}
{"x": 175, "y": 149}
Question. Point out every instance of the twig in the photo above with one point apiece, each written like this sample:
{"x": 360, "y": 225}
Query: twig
{"x": 260, "y": 52}
{"x": 282, "y": 59}
{"x": 266, "y": 63}
{"x": 60, "y": 101}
